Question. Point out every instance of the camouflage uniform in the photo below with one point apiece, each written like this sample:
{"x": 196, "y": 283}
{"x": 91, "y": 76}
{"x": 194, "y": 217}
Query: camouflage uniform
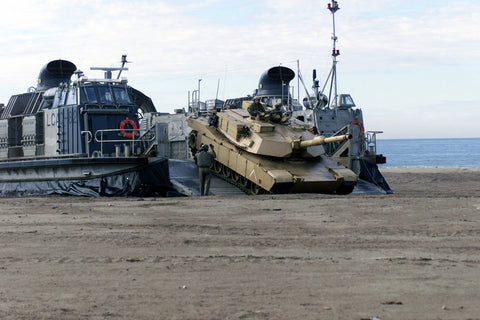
{"x": 277, "y": 115}
{"x": 255, "y": 108}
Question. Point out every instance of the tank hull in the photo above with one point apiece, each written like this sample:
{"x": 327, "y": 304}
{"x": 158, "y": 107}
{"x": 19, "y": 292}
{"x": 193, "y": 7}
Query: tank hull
{"x": 271, "y": 174}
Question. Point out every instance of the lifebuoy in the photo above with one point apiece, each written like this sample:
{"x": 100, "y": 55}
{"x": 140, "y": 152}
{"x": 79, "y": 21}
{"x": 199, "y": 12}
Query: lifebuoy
{"x": 128, "y": 122}
{"x": 362, "y": 129}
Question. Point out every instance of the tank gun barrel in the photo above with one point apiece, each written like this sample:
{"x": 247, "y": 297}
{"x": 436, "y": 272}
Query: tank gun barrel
{"x": 323, "y": 140}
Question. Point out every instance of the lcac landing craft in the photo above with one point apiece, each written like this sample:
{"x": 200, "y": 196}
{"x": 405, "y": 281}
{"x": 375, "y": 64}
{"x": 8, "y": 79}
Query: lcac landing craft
{"x": 79, "y": 137}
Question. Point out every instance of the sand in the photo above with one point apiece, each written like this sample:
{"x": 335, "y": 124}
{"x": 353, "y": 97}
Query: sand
{"x": 411, "y": 255}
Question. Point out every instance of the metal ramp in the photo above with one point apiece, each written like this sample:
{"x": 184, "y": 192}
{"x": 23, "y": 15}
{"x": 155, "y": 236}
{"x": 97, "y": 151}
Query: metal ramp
{"x": 365, "y": 187}
{"x": 184, "y": 177}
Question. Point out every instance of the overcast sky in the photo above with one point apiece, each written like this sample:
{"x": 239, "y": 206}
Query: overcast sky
{"x": 412, "y": 66}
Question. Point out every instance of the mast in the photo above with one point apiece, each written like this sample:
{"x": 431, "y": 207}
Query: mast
{"x": 124, "y": 60}
{"x": 333, "y": 7}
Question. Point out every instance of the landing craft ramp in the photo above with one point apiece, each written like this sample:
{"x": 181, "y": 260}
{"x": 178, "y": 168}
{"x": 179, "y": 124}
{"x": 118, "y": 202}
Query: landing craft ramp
{"x": 184, "y": 178}
{"x": 365, "y": 187}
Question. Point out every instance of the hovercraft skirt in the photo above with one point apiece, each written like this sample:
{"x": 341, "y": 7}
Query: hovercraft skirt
{"x": 94, "y": 177}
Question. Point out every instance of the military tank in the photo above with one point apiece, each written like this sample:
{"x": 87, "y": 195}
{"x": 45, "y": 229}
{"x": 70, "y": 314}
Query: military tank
{"x": 262, "y": 156}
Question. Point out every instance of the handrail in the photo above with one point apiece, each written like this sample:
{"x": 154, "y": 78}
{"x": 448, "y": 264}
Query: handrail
{"x": 371, "y": 142}
{"x": 99, "y": 137}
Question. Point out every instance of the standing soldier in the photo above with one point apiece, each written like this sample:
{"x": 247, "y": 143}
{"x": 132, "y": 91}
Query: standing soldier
{"x": 204, "y": 159}
{"x": 256, "y": 109}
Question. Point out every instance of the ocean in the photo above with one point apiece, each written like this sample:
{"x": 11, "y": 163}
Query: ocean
{"x": 430, "y": 152}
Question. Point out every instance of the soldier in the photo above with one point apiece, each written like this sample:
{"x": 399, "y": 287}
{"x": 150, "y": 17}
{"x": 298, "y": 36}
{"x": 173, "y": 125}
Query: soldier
{"x": 256, "y": 108}
{"x": 276, "y": 114}
{"x": 204, "y": 159}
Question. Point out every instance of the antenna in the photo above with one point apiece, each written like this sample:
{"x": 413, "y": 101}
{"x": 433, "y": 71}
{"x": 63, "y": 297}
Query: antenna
{"x": 108, "y": 70}
{"x": 216, "y": 97}
{"x": 333, "y": 7}
{"x": 124, "y": 60}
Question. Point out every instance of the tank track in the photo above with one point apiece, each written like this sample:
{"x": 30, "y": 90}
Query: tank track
{"x": 192, "y": 139}
{"x": 245, "y": 188}
{"x": 230, "y": 181}
{"x": 343, "y": 190}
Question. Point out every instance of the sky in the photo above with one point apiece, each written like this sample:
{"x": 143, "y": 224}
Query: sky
{"x": 413, "y": 67}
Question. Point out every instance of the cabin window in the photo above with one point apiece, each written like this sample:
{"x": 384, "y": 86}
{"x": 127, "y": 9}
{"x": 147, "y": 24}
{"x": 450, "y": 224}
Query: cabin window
{"x": 63, "y": 97}
{"x": 105, "y": 95}
{"x": 71, "y": 97}
{"x": 121, "y": 95}
{"x": 346, "y": 100}
{"x": 88, "y": 95}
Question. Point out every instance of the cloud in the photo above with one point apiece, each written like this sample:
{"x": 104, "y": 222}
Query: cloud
{"x": 435, "y": 35}
{"x": 173, "y": 37}
{"x": 174, "y": 43}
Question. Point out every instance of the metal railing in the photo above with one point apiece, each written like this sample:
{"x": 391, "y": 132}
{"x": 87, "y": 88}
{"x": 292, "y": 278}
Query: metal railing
{"x": 100, "y": 136}
{"x": 371, "y": 142}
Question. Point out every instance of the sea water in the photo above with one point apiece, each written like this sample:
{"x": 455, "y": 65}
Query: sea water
{"x": 430, "y": 152}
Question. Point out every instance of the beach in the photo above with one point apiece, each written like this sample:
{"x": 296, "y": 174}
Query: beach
{"x": 411, "y": 255}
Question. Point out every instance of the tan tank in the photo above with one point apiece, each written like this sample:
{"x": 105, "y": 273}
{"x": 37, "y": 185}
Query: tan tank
{"x": 262, "y": 156}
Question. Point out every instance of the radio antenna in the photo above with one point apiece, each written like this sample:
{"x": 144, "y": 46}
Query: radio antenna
{"x": 333, "y": 7}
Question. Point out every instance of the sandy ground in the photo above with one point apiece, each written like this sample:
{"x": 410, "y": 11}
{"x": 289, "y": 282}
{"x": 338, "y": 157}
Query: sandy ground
{"x": 411, "y": 255}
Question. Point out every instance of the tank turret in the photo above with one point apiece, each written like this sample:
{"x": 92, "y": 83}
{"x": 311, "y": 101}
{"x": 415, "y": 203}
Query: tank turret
{"x": 267, "y": 156}
{"x": 270, "y": 139}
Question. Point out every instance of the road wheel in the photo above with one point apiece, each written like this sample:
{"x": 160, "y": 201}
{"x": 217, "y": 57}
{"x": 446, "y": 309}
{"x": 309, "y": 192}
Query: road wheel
{"x": 226, "y": 172}
{"x": 235, "y": 176}
{"x": 256, "y": 189}
{"x": 243, "y": 181}
{"x": 218, "y": 167}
